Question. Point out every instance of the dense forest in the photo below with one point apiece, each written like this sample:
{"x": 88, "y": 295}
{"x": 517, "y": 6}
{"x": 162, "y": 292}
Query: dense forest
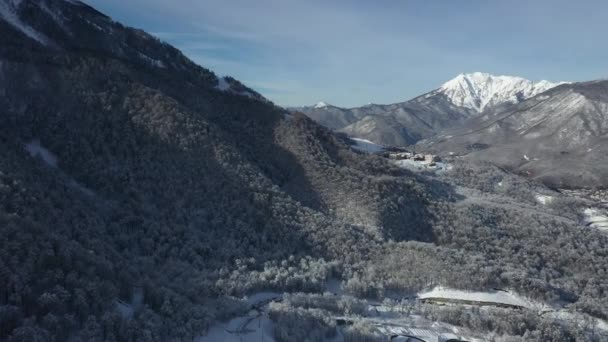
{"x": 140, "y": 201}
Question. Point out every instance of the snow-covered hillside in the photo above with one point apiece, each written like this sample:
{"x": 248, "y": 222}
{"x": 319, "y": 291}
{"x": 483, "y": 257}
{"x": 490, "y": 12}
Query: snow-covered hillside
{"x": 479, "y": 91}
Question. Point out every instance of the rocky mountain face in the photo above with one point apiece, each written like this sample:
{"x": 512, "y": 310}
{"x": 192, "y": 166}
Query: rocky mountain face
{"x": 481, "y": 91}
{"x": 142, "y": 196}
{"x": 452, "y": 104}
{"x": 559, "y": 136}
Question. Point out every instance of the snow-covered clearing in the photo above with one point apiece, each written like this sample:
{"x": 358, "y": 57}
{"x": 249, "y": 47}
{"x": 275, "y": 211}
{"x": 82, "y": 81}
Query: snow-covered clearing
{"x": 497, "y": 297}
{"x": 334, "y": 286}
{"x": 596, "y": 218}
{"x": 36, "y": 150}
{"x": 367, "y": 146}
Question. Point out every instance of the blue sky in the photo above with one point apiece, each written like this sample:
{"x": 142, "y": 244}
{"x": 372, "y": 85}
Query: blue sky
{"x": 350, "y": 53}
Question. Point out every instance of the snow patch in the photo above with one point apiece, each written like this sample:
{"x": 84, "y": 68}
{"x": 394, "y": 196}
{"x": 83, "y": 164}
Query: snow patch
{"x": 36, "y": 150}
{"x": 366, "y": 146}
{"x": 321, "y": 105}
{"x": 8, "y": 11}
{"x": 544, "y": 199}
{"x": 225, "y": 86}
{"x": 154, "y": 62}
{"x": 222, "y": 85}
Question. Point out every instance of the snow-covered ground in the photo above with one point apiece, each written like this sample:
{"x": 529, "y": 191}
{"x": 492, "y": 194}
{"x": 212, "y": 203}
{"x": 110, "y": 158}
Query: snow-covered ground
{"x": 36, "y": 150}
{"x": 334, "y": 286}
{"x": 366, "y": 146}
{"x": 596, "y": 218}
{"x": 494, "y": 296}
{"x": 544, "y": 199}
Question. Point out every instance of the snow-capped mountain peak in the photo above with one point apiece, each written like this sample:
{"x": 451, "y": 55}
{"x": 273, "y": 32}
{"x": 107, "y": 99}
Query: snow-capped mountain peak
{"x": 321, "y": 105}
{"x": 479, "y": 91}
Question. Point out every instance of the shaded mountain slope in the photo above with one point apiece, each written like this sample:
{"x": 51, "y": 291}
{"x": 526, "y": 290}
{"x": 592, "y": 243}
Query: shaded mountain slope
{"x": 162, "y": 178}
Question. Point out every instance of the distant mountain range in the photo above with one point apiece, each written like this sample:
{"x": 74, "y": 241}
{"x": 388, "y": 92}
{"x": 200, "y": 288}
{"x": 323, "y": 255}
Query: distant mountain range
{"x": 559, "y": 136}
{"x": 555, "y": 132}
{"x": 405, "y": 123}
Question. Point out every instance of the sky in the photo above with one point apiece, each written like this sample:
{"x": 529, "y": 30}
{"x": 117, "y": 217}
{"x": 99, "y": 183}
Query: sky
{"x": 351, "y": 53}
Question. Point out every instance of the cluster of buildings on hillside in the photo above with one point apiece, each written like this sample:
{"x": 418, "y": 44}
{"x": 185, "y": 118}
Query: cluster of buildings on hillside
{"x": 429, "y": 159}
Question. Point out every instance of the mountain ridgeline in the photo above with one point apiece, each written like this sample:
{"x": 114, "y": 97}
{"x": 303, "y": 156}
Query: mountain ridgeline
{"x": 553, "y": 132}
{"x": 406, "y": 123}
{"x": 559, "y": 137}
{"x": 141, "y": 196}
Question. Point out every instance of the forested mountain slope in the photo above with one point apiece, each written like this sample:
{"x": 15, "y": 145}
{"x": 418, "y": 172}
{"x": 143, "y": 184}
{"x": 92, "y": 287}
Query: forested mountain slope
{"x": 141, "y": 196}
{"x": 161, "y": 179}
